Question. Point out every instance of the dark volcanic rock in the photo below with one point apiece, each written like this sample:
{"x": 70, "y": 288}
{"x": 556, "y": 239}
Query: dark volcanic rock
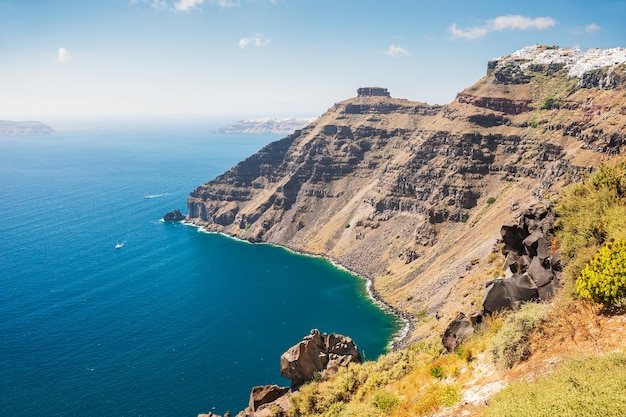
{"x": 602, "y": 79}
{"x": 511, "y": 74}
{"x": 317, "y": 353}
{"x": 373, "y": 91}
{"x": 535, "y": 270}
{"x": 458, "y": 331}
{"x": 174, "y": 216}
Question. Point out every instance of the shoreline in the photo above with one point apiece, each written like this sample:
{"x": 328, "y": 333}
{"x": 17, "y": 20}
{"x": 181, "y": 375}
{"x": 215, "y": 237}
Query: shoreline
{"x": 400, "y": 339}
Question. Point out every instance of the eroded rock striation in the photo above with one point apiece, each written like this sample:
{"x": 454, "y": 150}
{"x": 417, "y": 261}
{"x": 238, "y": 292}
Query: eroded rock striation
{"x": 403, "y": 192}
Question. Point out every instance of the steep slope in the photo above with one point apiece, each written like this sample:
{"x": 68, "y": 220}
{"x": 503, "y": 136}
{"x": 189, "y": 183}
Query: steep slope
{"x": 403, "y": 192}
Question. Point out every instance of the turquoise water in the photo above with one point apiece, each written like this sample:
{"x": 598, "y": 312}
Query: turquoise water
{"x": 174, "y": 323}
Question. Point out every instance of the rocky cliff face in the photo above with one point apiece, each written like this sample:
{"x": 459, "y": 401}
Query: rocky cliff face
{"x": 409, "y": 194}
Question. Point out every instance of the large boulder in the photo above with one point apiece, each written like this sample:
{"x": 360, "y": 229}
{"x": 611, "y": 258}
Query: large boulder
{"x": 174, "y": 216}
{"x": 265, "y": 394}
{"x": 457, "y": 332}
{"x": 317, "y": 353}
{"x": 532, "y": 269}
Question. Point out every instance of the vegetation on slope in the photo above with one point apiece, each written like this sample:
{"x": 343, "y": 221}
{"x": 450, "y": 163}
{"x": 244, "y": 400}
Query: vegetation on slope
{"x": 591, "y": 214}
{"x": 586, "y": 386}
{"x": 421, "y": 379}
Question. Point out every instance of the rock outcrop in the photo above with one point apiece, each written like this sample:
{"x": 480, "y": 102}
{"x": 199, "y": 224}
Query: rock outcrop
{"x": 533, "y": 270}
{"x": 457, "y": 332}
{"x": 398, "y": 191}
{"x": 317, "y": 354}
{"x": 373, "y": 91}
{"x": 174, "y": 216}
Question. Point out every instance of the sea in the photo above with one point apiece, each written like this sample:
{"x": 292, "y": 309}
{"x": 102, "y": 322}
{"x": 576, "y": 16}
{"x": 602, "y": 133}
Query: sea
{"x": 173, "y": 322}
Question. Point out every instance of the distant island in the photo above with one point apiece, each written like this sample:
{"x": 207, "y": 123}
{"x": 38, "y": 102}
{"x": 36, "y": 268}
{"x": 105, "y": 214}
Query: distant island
{"x": 8, "y": 128}
{"x": 282, "y": 125}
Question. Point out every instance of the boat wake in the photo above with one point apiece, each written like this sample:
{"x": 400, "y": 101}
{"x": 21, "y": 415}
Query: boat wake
{"x": 154, "y": 195}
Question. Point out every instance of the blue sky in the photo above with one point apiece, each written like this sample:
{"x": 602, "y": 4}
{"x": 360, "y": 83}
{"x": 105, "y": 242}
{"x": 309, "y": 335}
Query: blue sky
{"x": 252, "y": 58}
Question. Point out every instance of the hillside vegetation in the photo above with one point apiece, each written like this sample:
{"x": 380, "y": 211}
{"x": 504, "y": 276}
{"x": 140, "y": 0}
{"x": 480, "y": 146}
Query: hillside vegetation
{"x": 566, "y": 358}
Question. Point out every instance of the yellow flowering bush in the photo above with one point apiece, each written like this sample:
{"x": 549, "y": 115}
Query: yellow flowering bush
{"x": 604, "y": 278}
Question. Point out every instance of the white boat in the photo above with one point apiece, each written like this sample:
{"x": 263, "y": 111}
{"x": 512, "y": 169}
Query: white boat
{"x": 119, "y": 245}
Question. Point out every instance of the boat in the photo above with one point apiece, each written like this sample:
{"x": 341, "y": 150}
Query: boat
{"x": 119, "y": 245}
{"x": 153, "y": 195}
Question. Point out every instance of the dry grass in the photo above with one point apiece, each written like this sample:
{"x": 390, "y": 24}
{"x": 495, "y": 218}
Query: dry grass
{"x": 588, "y": 386}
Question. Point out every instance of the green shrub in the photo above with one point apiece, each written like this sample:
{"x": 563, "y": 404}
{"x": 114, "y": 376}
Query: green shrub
{"x": 612, "y": 177}
{"x": 589, "y": 215}
{"x": 385, "y": 401}
{"x": 584, "y": 387}
{"x": 549, "y": 103}
{"x": 604, "y": 278}
{"x": 436, "y": 372}
{"x": 491, "y": 200}
{"x": 360, "y": 410}
{"x": 510, "y": 345}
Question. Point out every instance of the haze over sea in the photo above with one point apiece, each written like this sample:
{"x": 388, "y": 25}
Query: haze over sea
{"x": 175, "y": 322}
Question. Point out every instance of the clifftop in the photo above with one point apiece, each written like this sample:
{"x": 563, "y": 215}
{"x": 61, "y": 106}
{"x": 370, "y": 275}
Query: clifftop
{"x": 604, "y": 68}
{"x": 576, "y": 61}
{"x": 408, "y": 194}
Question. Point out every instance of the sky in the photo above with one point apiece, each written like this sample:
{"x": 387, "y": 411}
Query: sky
{"x": 255, "y": 58}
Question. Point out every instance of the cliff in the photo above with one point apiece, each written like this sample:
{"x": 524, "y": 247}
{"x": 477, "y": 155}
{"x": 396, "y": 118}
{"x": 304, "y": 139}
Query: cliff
{"x": 8, "y": 128}
{"x": 409, "y": 194}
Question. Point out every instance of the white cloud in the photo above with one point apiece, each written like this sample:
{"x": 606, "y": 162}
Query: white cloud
{"x": 228, "y": 3}
{"x": 63, "y": 55}
{"x": 186, "y": 5}
{"x": 157, "y": 5}
{"x": 469, "y": 34}
{"x": 257, "y": 39}
{"x": 520, "y": 22}
{"x": 586, "y": 30}
{"x": 396, "y": 51}
{"x": 591, "y": 28}
{"x": 500, "y": 23}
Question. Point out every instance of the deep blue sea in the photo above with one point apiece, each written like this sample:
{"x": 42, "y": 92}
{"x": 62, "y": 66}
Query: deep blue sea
{"x": 176, "y": 322}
